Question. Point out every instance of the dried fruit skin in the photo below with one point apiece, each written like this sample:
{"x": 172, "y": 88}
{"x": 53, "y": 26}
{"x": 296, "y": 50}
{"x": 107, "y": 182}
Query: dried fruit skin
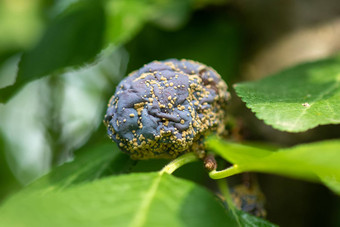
{"x": 165, "y": 108}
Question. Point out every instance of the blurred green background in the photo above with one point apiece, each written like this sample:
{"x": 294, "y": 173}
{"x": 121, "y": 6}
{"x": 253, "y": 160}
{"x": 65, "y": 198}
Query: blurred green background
{"x": 73, "y": 53}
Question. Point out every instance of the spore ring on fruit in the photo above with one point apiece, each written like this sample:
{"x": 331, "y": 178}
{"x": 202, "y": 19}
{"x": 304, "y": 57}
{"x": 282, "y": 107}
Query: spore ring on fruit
{"x": 166, "y": 108}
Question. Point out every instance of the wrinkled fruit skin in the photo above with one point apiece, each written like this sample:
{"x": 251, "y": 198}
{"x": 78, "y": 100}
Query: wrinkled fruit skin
{"x": 166, "y": 108}
{"x": 250, "y": 200}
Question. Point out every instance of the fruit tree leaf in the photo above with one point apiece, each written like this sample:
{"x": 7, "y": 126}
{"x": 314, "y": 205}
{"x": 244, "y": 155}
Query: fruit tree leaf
{"x": 298, "y": 98}
{"x": 82, "y": 28}
{"x": 317, "y": 161}
{"x": 144, "y": 199}
{"x": 332, "y": 181}
{"x": 89, "y": 164}
{"x": 74, "y": 37}
{"x": 125, "y": 18}
{"x": 252, "y": 221}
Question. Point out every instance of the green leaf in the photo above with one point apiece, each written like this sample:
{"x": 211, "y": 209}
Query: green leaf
{"x": 73, "y": 38}
{"x": 89, "y": 164}
{"x": 149, "y": 199}
{"x": 252, "y": 221}
{"x": 315, "y": 161}
{"x": 298, "y": 98}
{"x": 332, "y": 181}
{"x": 20, "y": 25}
{"x": 8, "y": 181}
{"x": 125, "y": 18}
{"x": 82, "y": 28}
{"x": 171, "y": 14}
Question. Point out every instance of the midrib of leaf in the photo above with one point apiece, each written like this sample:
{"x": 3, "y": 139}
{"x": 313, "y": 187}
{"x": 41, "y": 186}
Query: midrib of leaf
{"x": 140, "y": 217}
{"x": 319, "y": 97}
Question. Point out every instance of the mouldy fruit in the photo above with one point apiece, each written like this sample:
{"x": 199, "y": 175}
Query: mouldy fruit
{"x": 166, "y": 108}
{"x": 249, "y": 199}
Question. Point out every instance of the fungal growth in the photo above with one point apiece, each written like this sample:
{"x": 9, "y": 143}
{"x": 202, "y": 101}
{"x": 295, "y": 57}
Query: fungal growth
{"x": 166, "y": 108}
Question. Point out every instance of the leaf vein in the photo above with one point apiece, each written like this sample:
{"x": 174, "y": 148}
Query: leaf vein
{"x": 319, "y": 97}
{"x": 140, "y": 217}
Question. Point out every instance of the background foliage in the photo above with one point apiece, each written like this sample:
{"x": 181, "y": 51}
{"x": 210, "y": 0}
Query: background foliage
{"x": 61, "y": 60}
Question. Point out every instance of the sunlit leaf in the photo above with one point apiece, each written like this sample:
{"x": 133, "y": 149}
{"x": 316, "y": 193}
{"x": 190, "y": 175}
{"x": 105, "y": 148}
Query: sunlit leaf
{"x": 332, "y": 181}
{"x": 125, "y": 18}
{"x": 315, "y": 161}
{"x": 20, "y": 25}
{"x": 298, "y": 98}
{"x": 148, "y": 199}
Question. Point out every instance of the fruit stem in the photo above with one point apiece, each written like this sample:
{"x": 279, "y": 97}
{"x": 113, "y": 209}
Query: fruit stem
{"x": 178, "y": 162}
{"x": 225, "y": 173}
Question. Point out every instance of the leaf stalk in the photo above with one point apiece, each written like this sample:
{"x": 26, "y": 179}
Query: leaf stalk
{"x": 225, "y": 173}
